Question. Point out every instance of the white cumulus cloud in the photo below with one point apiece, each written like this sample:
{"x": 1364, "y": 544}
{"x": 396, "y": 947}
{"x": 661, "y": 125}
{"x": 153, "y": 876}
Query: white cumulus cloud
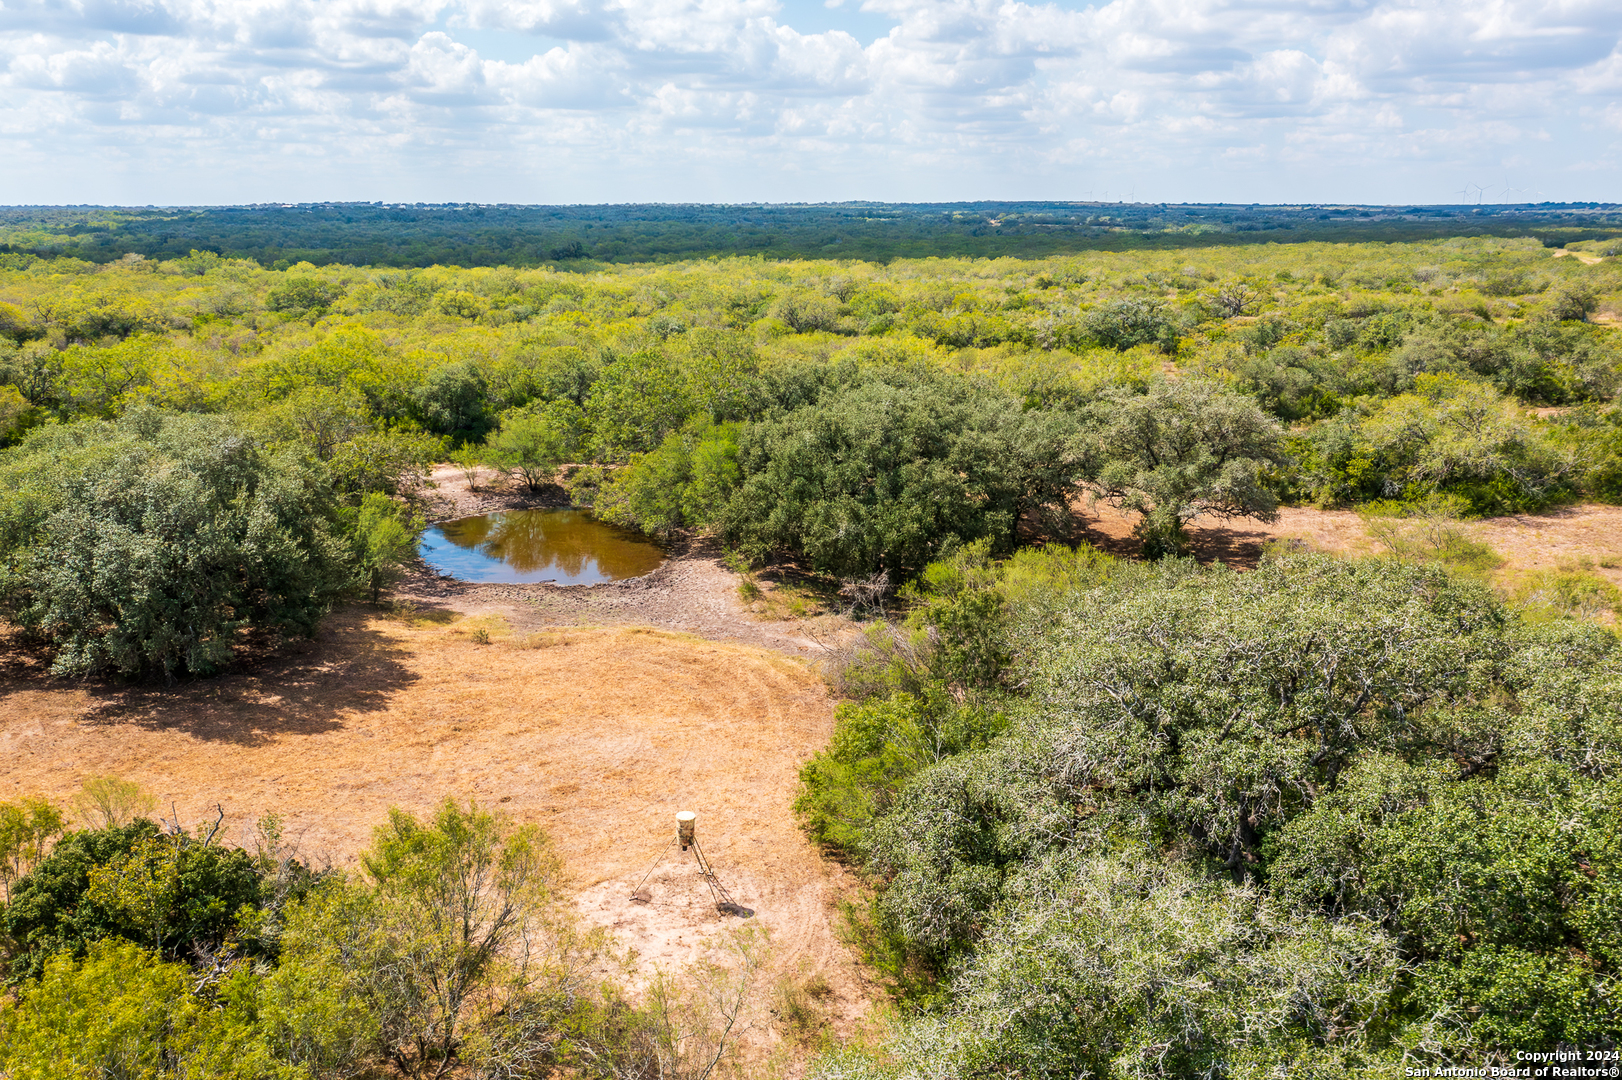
{"x": 585, "y": 100}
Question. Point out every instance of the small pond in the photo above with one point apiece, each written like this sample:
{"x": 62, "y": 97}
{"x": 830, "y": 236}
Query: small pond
{"x": 564, "y": 547}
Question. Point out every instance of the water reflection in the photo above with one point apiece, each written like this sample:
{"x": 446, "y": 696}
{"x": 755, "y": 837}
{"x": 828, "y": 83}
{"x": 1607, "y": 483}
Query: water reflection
{"x": 565, "y": 547}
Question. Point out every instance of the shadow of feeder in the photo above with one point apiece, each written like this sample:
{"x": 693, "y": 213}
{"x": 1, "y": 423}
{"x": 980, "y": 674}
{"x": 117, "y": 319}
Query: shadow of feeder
{"x": 687, "y": 837}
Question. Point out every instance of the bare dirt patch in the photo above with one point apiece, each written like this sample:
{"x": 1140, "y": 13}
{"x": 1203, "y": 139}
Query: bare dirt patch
{"x": 1240, "y": 542}
{"x": 448, "y": 494}
{"x": 598, "y": 735}
{"x": 1581, "y": 256}
{"x": 1528, "y": 542}
{"x": 692, "y": 592}
{"x": 1531, "y": 542}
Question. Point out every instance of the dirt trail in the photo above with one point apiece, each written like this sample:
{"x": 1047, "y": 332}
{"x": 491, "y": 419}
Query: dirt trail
{"x": 1583, "y": 257}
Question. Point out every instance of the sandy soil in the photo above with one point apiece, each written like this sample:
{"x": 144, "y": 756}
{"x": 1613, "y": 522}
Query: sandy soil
{"x": 1563, "y": 536}
{"x": 448, "y": 494}
{"x": 595, "y": 712}
{"x": 692, "y": 592}
{"x": 598, "y": 735}
{"x": 1528, "y": 542}
{"x": 1237, "y": 543}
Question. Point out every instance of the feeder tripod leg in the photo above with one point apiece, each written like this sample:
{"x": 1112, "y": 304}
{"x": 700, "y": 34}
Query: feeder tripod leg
{"x": 651, "y": 869}
{"x": 723, "y": 899}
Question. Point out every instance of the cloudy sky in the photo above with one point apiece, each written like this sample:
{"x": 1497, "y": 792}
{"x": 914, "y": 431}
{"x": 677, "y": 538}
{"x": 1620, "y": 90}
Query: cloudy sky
{"x": 230, "y": 101}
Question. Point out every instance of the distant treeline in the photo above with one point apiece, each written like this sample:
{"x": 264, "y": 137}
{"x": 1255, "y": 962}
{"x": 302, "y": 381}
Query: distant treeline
{"x": 467, "y": 234}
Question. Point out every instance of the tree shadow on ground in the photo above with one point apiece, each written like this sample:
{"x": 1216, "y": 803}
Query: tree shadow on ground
{"x": 303, "y": 687}
{"x": 1239, "y": 543}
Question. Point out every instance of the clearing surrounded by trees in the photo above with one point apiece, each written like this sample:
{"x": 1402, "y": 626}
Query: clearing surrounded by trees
{"x": 1173, "y": 660}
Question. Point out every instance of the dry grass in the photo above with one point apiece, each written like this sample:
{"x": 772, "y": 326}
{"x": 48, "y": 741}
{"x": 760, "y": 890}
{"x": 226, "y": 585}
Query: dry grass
{"x": 1588, "y": 537}
{"x": 1240, "y": 542}
{"x": 598, "y": 735}
{"x": 783, "y": 600}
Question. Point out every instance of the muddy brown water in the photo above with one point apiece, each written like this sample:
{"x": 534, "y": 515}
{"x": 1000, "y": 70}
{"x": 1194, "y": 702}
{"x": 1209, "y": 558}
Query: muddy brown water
{"x": 563, "y": 547}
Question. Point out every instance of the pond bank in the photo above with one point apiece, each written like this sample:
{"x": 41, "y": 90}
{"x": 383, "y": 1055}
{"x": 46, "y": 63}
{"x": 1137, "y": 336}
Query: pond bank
{"x": 692, "y": 592}
{"x": 448, "y": 496}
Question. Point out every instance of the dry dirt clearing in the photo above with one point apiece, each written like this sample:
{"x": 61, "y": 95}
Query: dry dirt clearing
{"x": 598, "y": 735}
{"x": 565, "y": 707}
{"x": 1527, "y": 542}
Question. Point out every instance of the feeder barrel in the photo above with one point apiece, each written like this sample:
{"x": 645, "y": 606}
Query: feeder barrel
{"x": 687, "y": 828}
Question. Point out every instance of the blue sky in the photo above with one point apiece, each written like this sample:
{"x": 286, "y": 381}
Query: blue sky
{"x": 538, "y": 101}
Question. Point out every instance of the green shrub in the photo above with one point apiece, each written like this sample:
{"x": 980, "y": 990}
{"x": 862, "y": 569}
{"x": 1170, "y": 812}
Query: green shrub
{"x": 1499, "y": 888}
{"x": 454, "y": 401}
{"x": 877, "y": 745}
{"x": 302, "y": 296}
{"x": 1186, "y": 449}
{"x": 1593, "y": 436}
{"x": 384, "y": 536}
{"x": 1130, "y": 321}
{"x": 459, "y": 304}
{"x": 390, "y": 462}
{"x": 1452, "y": 436}
{"x": 146, "y": 547}
{"x": 684, "y": 483}
{"x": 15, "y": 325}
{"x": 1355, "y": 789}
{"x": 640, "y": 399}
{"x": 894, "y": 471}
{"x": 1573, "y": 302}
{"x": 1124, "y": 967}
{"x": 120, "y": 1012}
{"x": 1429, "y": 530}
{"x": 170, "y": 893}
{"x": 16, "y": 415}
{"x": 27, "y": 829}
{"x": 452, "y": 950}
{"x": 1571, "y": 590}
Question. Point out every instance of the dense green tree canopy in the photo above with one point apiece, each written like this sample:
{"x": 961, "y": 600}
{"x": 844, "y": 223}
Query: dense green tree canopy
{"x": 405, "y": 234}
{"x": 896, "y": 469}
{"x": 1362, "y": 789}
{"x": 144, "y": 547}
{"x": 140, "y": 952}
{"x": 169, "y": 893}
{"x": 1186, "y": 449}
{"x": 124, "y": 1012}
